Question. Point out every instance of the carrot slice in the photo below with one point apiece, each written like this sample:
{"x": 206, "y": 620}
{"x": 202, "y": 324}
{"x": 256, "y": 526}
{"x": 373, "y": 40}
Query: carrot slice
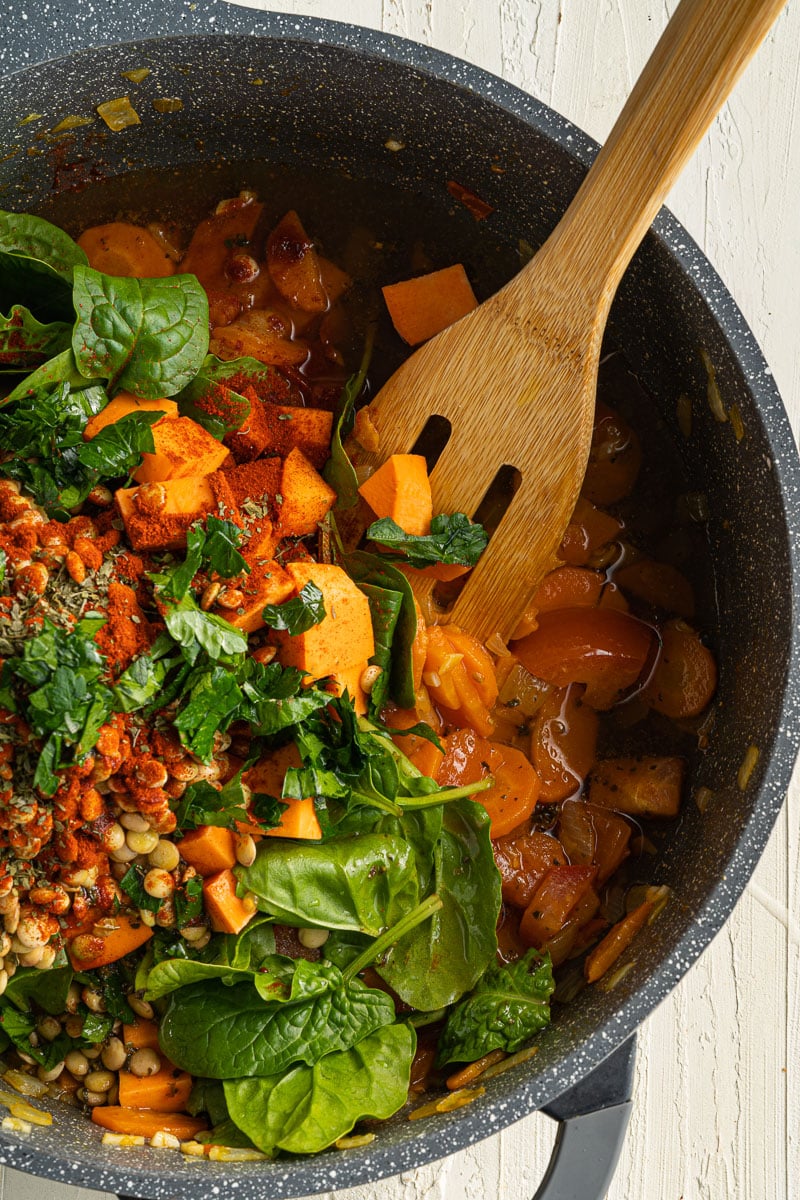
{"x": 166, "y": 1091}
{"x": 564, "y": 743}
{"x": 617, "y": 940}
{"x": 119, "y": 248}
{"x": 143, "y": 1035}
{"x": 553, "y": 901}
{"x": 143, "y": 1122}
{"x": 422, "y": 307}
{"x": 658, "y": 584}
{"x": 459, "y": 674}
{"x": 642, "y": 787}
{"x": 685, "y": 678}
{"x": 469, "y": 758}
{"x": 589, "y": 529}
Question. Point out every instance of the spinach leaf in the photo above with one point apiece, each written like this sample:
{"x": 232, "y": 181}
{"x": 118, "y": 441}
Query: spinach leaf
{"x": 424, "y": 968}
{"x": 148, "y": 336}
{"x": 509, "y": 1004}
{"x": 196, "y": 631}
{"x": 117, "y": 449}
{"x": 298, "y": 615}
{"x": 367, "y": 568}
{"x": 18, "y": 1027}
{"x": 208, "y": 1096}
{"x": 37, "y": 261}
{"x": 48, "y": 988}
{"x": 25, "y": 342}
{"x": 132, "y": 883}
{"x": 248, "y": 950}
{"x": 214, "y": 544}
{"x": 275, "y": 699}
{"x": 226, "y": 1133}
{"x": 453, "y": 539}
{"x": 308, "y": 1108}
{"x": 61, "y": 369}
{"x": 166, "y": 977}
{"x": 363, "y": 883}
{"x": 339, "y": 471}
{"x": 210, "y": 399}
{"x": 226, "y": 1032}
{"x": 385, "y": 606}
{"x": 213, "y": 698}
{"x": 143, "y": 680}
{"x": 202, "y": 804}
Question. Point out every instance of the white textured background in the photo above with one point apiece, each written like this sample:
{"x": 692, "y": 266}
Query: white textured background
{"x": 716, "y": 1106}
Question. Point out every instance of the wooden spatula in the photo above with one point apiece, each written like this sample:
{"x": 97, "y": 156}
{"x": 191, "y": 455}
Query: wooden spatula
{"x": 516, "y": 378}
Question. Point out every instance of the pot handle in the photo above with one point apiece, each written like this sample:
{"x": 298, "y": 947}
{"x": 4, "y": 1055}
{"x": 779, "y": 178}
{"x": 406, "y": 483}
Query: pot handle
{"x": 592, "y": 1121}
{"x": 73, "y": 25}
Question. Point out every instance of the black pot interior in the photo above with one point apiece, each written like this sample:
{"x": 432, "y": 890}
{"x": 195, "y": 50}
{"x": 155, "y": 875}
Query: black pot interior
{"x": 305, "y": 107}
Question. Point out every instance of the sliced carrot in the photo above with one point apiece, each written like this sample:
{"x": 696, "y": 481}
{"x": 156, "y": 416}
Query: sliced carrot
{"x": 305, "y": 496}
{"x": 208, "y": 849}
{"x": 523, "y": 863}
{"x": 649, "y": 786}
{"x": 569, "y": 587}
{"x": 142, "y": 1122}
{"x": 658, "y": 584}
{"x": 182, "y": 447}
{"x": 422, "y": 307}
{"x": 400, "y": 489}
{"x": 617, "y": 940}
{"x": 459, "y": 674}
{"x": 469, "y": 758}
{"x": 685, "y": 678}
{"x": 553, "y": 901}
{"x": 87, "y": 951}
{"x": 615, "y": 457}
{"x": 294, "y": 265}
{"x": 121, "y": 406}
{"x": 589, "y": 529}
{"x": 601, "y": 647}
{"x": 120, "y": 248}
{"x": 141, "y": 1034}
{"x": 166, "y": 1091}
{"x": 419, "y": 649}
{"x": 564, "y": 743}
{"x": 227, "y": 913}
{"x": 422, "y": 753}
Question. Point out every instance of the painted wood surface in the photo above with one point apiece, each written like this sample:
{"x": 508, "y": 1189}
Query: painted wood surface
{"x": 717, "y": 1111}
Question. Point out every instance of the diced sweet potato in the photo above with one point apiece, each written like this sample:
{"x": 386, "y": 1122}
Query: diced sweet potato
{"x": 121, "y": 406}
{"x": 299, "y": 820}
{"x": 523, "y": 863}
{"x": 554, "y": 899}
{"x": 253, "y": 435}
{"x": 87, "y": 952}
{"x": 182, "y": 447}
{"x": 401, "y": 489}
{"x": 641, "y": 787}
{"x": 422, "y": 307}
{"x": 348, "y": 679}
{"x": 343, "y": 638}
{"x": 308, "y": 429}
{"x": 226, "y": 912}
{"x": 267, "y": 583}
{"x": 305, "y": 496}
{"x": 257, "y": 481}
{"x": 208, "y": 849}
{"x": 142, "y": 1122}
{"x": 166, "y": 1091}
{"x": 186, "y": 500}
{"x": 122, "y": 249}
{"x": 294, "y": 265}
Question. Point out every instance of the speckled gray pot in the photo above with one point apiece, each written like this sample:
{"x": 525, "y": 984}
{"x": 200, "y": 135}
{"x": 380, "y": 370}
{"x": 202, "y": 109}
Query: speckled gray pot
{"x": 334, "y": 95}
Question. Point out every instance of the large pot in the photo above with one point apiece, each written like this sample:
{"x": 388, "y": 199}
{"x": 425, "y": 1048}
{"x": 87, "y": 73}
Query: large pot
{"x": 333, "y": 96}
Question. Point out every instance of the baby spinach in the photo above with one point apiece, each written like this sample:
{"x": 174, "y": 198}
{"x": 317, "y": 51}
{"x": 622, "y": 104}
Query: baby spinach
{"x": 385, "y": 607}
{"x": 339, "y": 471}
{"x": 509, "y": 1004}
{"x": 60, "y": 369}
{"x": 453, "y": 539}
{"x": 364, "y": 882}
{"x": 148, "y": 336}
{"x": 367, "y": 568}
{"x": 48, "y": 988}
{"x": 202, "y": 804}
{"x": 225, "y": 1032}
{"x": 309, "y": 1107}
{"x": 212, "y": 697}
{"x": 132, "y": 883}
{"x": 26, "y": 342}
{"x": 37, "y": 261}
{"x": 442, "y": 959}
{"x": 275, "y": 699}
{"x": 298, "y": 615}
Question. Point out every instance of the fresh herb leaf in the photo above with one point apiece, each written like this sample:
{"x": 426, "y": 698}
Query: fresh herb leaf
{"x": 339, "y": 471}
{"x": 188, "y": 901}
{"x": 143, "y": 681}
{"x": 202, "y": 804}
{"x": 148, "y": 336}
{"x": 453, "y": 539}
{"x": 48, "y": 988}
{"x": 196, "y": 631}
{"x": 213, "y": 699}
{"x": 18, "y": 1027}
{"x": 274, "y": 697}
{"x": 118, "y": 448}
{"x": 37, "y": 261}
{"x": 367, "y": 568}
{"x": 509, "y": 1005}
{"x": 298, "y": 615}
{"x": 308, "y": 1108}
{"x": 25, "y": 343}
{"x": 214, "y": 544}
{"x": 385, "y": 607}
{"x": 132, "y": 883}
{"x": 266, "y": 810}
{"x": 96, "y": 1027}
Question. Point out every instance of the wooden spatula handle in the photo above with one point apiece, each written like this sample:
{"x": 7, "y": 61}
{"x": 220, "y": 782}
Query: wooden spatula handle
{"x": 690, "y": 74}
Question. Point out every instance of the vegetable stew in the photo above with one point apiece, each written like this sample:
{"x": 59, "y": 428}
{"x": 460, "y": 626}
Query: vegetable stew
{"x": 281, "y": 847}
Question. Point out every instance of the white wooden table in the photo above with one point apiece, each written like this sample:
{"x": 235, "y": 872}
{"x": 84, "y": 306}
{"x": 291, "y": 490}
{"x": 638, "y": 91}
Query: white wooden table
{"x": 716, "y": 1108}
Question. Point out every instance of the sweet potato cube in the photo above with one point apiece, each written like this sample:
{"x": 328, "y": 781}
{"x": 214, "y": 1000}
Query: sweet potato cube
{"x": 343, "y": 639}
{"x": 348, "y": 679}
{"x": 121, "y": 406}
{"x": 208, "y": 849}
{"x": 299, "y": 820}
{"x": 142, "y": 1034}
{"x": 257, "y": 481}
{"x": 401, "y": 489}
{"x": 267, "y": 583}
{"x": 422, "y": 307}
{"x": 307, "y": 429}
{"x": 641, "y": 787}
{"x": 187, "y": 500}
{"x": 254, "y": 435}
{"x": 226, "y": 912}
{"x": 130, "y": 933}
{"x": 182, "y": 447}
{"x": 305, "y": 496}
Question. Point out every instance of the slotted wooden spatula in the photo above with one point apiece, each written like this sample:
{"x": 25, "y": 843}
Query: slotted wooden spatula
{"x": 516, "y": 378}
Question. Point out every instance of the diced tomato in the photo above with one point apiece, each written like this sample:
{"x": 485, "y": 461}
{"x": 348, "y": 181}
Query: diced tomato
{"x": 605, "y": 649}
{"x": 553, "y": 901}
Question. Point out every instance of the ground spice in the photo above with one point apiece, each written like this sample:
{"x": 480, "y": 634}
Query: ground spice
{"x": 126, "y": 633}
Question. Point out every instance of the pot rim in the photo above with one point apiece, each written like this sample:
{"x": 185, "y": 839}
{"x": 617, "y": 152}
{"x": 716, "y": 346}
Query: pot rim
{"x": 74, "y": 27}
